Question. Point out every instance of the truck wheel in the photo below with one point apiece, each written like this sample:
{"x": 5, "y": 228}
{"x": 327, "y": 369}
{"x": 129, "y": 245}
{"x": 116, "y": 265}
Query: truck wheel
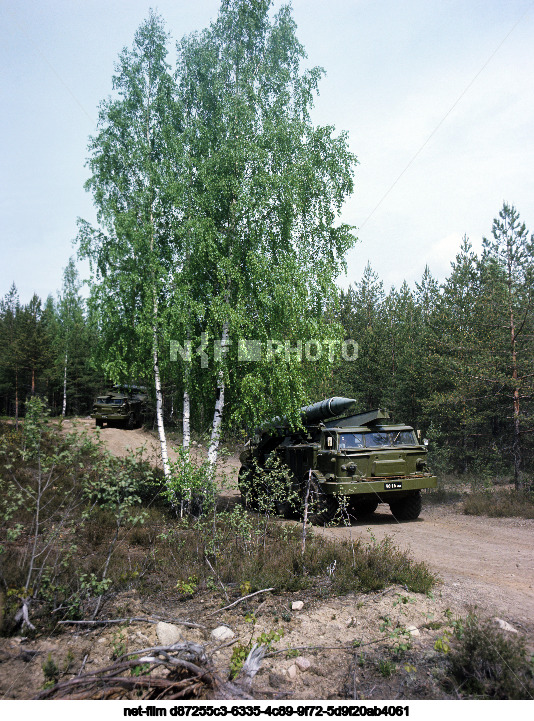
{"x": 407, "y": 508}
{"x": 285, "y": 509}
{"x": 322, "y": 507}
{"x": 362, "y": 508}
{"x": 99, "y": 423}
{"x": 131, "y": 422}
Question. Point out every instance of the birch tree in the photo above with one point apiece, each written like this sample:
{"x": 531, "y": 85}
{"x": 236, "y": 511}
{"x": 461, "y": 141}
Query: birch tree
{"x": 267, "y": 191}
{"x": 71, "y": 326}
{"x": 133, "y": 163}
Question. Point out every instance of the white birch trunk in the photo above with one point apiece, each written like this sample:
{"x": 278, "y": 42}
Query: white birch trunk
{"x": 65, "y": 388}
{"x": 186, "y": 421}
{"x": 159, "y": 407}
{"x": 219, "y": 405}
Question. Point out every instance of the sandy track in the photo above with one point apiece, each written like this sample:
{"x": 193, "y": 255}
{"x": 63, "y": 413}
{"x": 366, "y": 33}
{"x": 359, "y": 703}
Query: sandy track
{"x": 482, "y": 561}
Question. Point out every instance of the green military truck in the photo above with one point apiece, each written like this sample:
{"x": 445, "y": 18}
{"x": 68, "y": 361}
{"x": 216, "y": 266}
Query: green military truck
{"x": 123, "y": 405}
{"x": 356, "y": 461}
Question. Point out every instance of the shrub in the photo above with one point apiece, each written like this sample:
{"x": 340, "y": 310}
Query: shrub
{"x": 486, "y": 663}
{"x": 190, "y": 489}
{"x": 56, "y": 494}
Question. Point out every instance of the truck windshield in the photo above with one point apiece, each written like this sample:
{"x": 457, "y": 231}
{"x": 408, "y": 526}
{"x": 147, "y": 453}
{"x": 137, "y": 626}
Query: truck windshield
{"x": 351, "y": 440}
{"x": 390, "y": 438}
{"x": 376, "y": 440}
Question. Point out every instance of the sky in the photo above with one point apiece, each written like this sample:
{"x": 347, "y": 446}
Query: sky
{"x": 437, "y": 98}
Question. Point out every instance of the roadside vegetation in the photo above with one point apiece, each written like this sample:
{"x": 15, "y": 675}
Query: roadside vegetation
{"x": 486, "y": 663}
{"x": 492, "y": 497}
{"x": 78, "y": 525}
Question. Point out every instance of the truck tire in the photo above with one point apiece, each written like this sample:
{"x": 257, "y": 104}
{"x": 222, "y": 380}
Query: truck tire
{"x": 322, "y": 507}
{"x": 99, "y": 423}
{"x": 364, "y": 508}
{"x": 286, "y": 509}
{"x": 407, "y": 508}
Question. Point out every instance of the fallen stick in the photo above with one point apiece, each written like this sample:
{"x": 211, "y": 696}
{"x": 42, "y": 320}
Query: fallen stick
{"x": 243, "y": 598}
{"x": 138, "y": 619}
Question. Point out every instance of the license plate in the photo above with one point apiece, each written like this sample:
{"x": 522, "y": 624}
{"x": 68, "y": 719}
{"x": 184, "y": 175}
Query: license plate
{"x": 392, "y": 486}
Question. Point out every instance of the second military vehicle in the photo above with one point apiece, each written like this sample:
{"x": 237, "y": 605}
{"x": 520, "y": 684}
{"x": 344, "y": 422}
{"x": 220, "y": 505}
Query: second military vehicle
{"x": 352, "y": 461}
{"x": 123, "y": 405}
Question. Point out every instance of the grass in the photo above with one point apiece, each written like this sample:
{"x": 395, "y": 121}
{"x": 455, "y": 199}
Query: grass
{"x": 239, "y": 553}
{"x": 493, "y": 498}
{"x": 500, "y": 503}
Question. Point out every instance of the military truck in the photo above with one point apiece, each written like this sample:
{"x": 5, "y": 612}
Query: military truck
{"x": 122, "y": 405}
{"x": 352, "y": 461}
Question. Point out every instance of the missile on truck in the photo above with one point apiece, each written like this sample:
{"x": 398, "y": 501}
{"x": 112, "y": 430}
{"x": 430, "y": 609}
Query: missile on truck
{"x": 338, "y": 461}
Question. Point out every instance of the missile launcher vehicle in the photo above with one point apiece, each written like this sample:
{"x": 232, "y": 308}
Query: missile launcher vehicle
{"x": 123, "y": 405}
{"x": 338, "y": 463}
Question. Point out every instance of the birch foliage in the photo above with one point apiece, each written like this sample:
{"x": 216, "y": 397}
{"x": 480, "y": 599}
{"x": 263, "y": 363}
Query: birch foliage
{"x": 267, "y": 189}
{"x": 133, "y": 161}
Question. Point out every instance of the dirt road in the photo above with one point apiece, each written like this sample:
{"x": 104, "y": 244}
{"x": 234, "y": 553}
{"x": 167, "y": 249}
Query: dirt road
{"x": 482, "y": 561}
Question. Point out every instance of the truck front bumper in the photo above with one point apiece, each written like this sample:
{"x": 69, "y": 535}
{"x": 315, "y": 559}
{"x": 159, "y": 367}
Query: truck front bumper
{"x": 113, "y": 417}
{"x": 384, "y": 486}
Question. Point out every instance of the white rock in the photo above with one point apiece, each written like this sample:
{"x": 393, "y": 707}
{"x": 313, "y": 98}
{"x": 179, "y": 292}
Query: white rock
{"x": 413, "y": 630}
{"x": 302, "y": 663}
{"x": 505, "y": 626}
{"x": 292, "y": 672}
{"x": 168, "y": 633}
{"x": 222, "y": 633}
{"x": 297, "y": 605}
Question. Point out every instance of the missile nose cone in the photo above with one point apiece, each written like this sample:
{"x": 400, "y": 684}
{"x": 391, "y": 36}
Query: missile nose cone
{"x": 328, "y": 408}
{"x": 340, "y": 405}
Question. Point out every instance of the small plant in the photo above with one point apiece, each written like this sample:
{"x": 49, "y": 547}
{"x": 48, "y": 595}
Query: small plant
{"x": 190, "y": 489}
{"x": 141, "y": 670}
{"x": 386, "y": 623}
{"x": 119, "y": 644}
{"x": 401, "y": 600}
{"x": 402, "y": 641}
{"x": 187, "y": 588}
{"x": 292, "y": 653}
{"x": 386, "y": 668}
{"x": 241, "y": 651}
{"x": 50, "y": 671}
{"x": 67, "y": 662}
{"x": 442, "y": 643}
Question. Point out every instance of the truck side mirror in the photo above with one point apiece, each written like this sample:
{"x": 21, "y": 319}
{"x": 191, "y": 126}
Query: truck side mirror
{"x": 425, "y": 441}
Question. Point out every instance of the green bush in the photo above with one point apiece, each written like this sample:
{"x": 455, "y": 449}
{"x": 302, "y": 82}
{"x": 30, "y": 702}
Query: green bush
{"x": 59, "y": 493}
